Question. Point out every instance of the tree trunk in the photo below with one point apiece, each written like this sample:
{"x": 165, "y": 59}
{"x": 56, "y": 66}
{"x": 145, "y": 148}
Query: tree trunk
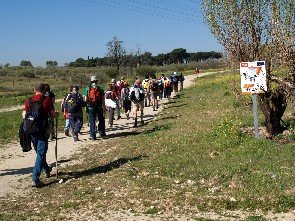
{"x": 273, "y": 106}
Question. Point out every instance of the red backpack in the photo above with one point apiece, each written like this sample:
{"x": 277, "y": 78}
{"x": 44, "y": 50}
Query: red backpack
{"x": 93, "y": 96}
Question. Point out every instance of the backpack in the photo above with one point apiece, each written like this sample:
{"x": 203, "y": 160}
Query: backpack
{"x": 154, "y": 86}
{"x": 93, "y": 96}
{"x": 160, "y": 83}
{"x": 137, "y": 94}
{"x": 74, "y": 103}
{"x": 109, "y": 95}
{"x": 145, "y": 84}
{"x": 174, "y": 79}
{"x": 24, "y": 139}
{"x": 33, "y": 122}
{"x": 168, "y": 84}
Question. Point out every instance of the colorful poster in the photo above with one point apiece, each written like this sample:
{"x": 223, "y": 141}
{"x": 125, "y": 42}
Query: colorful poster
{"x": 253, "y": 77}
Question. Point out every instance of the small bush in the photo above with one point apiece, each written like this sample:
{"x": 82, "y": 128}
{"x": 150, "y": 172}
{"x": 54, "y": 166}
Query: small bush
{"x": 28, "y": 74}
{"x": 145, "y": 70}
{"x": 112, "y": 72}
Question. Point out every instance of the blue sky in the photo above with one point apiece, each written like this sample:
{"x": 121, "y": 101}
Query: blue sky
{"x": 64, "y": 30}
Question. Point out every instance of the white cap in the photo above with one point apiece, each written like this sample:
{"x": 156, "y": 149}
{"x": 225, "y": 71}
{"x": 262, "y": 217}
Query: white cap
{"x": 93, "y": 78}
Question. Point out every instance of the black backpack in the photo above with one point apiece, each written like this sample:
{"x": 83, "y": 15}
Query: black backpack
{"x": 74, "y": 103}
{"x": 33, "y": 122}
{"x": 154, "y": 86}
{"x": 24, "y": 139}
{"x": 137, "y": 94}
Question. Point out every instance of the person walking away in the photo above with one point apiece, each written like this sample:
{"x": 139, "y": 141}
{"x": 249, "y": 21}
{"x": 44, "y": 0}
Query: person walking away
{"x": 147, "y": 91}
{"x": 66, "y": 114}
{"x": 181, "y": 80}
{"x": 74, "y": 104}
{"x": 126, "y": 102}
{"x": 154, "y": 86}
{"x": 117, "y": 91}
{"x": 50, "y": 95}
{"x": 161, "y": 87}
{"x": 167, "y": 88}
{"x": 137, "y": 97}
{"x": 95, "y": 102}
{"x": 120, "y": 84}
{"x": 197, "y": 71}
{"x": 35, "y": 114}
{"x": 174, "y": 80}
{"x": 111, "y": 103}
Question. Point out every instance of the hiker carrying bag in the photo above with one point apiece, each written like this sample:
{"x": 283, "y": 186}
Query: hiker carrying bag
{"x": 33, "y": 122}
{"x": 154, "y": 86}
{"x": 137, "y": 94}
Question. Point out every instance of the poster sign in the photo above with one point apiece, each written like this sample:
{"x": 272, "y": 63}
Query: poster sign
{"x": 253, "y": 77}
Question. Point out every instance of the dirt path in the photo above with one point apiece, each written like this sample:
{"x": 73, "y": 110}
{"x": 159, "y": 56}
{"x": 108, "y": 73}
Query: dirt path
{"x": 18, "y": 107}
{"x": 15, "y": 165}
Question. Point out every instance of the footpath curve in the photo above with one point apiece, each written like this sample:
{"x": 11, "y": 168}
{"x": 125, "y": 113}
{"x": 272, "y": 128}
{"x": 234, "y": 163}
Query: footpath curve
{"x": 16, "y": 166}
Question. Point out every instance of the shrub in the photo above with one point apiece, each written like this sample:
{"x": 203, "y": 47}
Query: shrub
{"x": 146, "y": 70}
{"x": 112, "y": 72}
{"x": 28, "y": 74}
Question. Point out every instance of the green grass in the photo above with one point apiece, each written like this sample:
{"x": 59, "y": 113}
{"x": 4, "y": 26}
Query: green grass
{"x": 192, "y": 157}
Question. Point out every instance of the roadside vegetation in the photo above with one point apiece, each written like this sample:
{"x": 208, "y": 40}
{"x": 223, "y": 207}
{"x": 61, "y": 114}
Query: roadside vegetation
{"x": 192, "y": 158}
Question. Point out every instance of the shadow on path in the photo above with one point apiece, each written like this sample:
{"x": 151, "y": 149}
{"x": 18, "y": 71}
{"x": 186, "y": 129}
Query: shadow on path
{"x": 102, "y": 169}
{"x": 23, "y": 171}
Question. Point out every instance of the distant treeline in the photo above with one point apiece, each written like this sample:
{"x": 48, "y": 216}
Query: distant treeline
{"x": 177, "y": 56}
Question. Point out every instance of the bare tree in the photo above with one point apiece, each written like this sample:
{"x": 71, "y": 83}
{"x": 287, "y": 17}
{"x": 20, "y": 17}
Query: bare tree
{"x": 253, "y": 30}
{"x": 116, "y": 51}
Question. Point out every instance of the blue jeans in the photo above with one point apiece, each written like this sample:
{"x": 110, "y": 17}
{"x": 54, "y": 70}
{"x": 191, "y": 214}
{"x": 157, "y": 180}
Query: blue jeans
{"x": 93, "y": 114}
{"x": 67, "y": 125}
{"x": 40, "y": 144}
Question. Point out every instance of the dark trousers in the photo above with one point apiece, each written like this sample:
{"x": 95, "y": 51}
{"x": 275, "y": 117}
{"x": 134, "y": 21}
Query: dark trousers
{"x": 93, "y": 115}
{"x": 75, "y": 124}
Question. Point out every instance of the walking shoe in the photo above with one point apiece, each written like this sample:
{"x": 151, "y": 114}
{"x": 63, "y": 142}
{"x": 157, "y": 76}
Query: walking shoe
{"x": 37, "y": 184}
{"x": 47, "y": 173}
{"x": 92, "y": 138}
{"x": 118, "y": 118}
{"x": 76, "y": 139}
{"x": 142, "y": 122}
{"x": 67, "y": 133}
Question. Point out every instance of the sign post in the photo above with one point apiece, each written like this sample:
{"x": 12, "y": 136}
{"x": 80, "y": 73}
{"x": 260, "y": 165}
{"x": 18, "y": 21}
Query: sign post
{"x": 253, "y": 81}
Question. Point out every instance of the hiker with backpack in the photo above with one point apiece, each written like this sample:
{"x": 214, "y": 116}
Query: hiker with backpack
{"x": 154, "y": 86}
{"x": 66, "y": 114}
{"x": 95, "y": 102}
{"x": 126, "y": 102}
{"x": 181, "y": 80}
{"x": 50, "y": 95}
{"x": 74, "y": 104}
{"x": 147, "y": 91}
{"x": 111, "y": 102}
{"x": 136, "y": 95}
{"x": 161, "y": 87}
{"x": 35, "y": 116}
{"x": 117, "y": 91}
{"x": 167, "y": 88}
{"x": 174, "y": 80}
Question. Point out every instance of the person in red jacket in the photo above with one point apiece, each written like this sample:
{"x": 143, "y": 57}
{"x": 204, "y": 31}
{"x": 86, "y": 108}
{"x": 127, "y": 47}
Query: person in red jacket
{"x": 40, "y": 138}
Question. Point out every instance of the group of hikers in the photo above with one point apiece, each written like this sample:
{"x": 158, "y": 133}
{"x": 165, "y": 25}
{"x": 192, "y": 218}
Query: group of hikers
{"x": 39, "y": 110}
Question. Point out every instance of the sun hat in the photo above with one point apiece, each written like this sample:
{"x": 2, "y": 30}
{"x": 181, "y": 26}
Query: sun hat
{"x": 93, "y": 78}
